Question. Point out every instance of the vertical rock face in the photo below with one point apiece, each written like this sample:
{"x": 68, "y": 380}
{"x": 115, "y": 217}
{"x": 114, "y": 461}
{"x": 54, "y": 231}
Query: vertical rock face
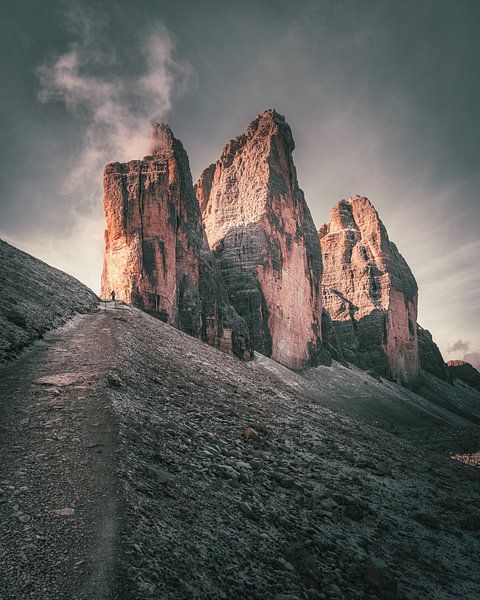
{"x": 369, "y": 291}
{"x": 260, "y": 228}
{"x": 431, "y": 359}
{"x": 156, "y": 253}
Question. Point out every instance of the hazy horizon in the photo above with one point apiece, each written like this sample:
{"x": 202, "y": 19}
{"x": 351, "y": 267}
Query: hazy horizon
{"x": 382, "y": 99}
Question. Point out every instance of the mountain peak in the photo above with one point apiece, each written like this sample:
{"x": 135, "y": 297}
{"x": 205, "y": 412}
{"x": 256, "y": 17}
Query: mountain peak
{"x": 161, "y": 138}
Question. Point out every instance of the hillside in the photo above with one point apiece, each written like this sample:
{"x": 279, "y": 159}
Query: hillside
{"x": 192, "y": 475}
{"x": 35, "y": 298}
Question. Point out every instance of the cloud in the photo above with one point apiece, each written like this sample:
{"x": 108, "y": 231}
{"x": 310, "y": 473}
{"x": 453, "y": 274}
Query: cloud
{"x": 459, "y": 346}
{"x": 114, "y": 98}
{"x": 473, "y": 358}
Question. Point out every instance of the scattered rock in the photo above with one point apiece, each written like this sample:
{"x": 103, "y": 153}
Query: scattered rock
{"x": 250, "y": 434}
{"x": 247, "y": 510}
{"x": 114, "y": 380}
{"x": 382, "y": 468}
{"x": 63, "y": 512}
{"x": 427, "y": 520}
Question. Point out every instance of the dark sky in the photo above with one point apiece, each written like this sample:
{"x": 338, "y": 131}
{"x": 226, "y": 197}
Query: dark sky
{"x": 382, "y": 97}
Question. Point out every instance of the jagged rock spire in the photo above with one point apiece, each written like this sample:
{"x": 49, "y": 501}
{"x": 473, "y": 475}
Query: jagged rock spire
{"x": 260, "y": 228}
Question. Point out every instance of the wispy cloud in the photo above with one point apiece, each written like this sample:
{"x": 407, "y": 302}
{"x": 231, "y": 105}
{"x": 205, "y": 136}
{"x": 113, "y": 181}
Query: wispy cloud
{"x": 115, "y": 107}
{"x": 459, "y": 346}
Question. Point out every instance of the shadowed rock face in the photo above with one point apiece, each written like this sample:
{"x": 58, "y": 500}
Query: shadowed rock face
{"x": 431, "y": 359}
{"x": 156, "y": 253}
{"x": 260, "y": 228}
{"x": 369, "y": 291}
{"x": 34, "y": 298}
{"x": 459, "y": 369}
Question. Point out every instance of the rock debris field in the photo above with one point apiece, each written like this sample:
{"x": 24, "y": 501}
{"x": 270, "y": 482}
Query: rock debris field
{"x": 138, "y": 462}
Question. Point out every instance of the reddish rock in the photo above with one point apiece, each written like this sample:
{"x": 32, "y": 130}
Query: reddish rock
{"x": 464, "y": 371}
{"x": 156, "y": 253}
{"x": 260, "y": 228}
{"x": 369, "y": 291}
{"x": 431, "y": 359}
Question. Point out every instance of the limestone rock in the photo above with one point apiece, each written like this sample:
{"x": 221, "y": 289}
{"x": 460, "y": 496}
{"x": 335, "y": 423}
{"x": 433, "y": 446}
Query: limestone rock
{"x": 156, "y": 253}
{"x": 369, "y": 291}
{"x": 260, "y": 228}
{"x": 431, "y": 359}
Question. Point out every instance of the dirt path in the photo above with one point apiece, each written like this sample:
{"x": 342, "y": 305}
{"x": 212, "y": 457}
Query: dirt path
{"x": 57, "y": 434}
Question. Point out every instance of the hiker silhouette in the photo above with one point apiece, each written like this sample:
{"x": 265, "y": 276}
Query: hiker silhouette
{"x": 112, "y": 294}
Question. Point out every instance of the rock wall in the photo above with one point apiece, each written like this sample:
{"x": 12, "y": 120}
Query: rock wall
{"x": 260, "y": 228}
{"x": 369, "y": 291}
{"x": 156, "y": 253}
{"x": 431, "y": 359}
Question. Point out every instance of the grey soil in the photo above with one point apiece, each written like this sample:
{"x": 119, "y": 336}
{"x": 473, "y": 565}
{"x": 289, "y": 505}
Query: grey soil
{"x": 213, "y": 480}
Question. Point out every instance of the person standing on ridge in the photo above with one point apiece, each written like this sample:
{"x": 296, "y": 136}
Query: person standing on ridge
{"x": 112, "y": 294}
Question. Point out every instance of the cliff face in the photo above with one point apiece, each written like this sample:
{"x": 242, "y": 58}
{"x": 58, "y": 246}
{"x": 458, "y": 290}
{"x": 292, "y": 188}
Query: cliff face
{"x": 156, "y": 253}
{"x": 260, "y": 228}
{"x": 369, "y": 291}
{"x": 431, "y": 359}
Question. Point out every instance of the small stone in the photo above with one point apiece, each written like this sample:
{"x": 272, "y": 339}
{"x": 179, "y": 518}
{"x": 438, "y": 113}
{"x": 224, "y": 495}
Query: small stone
{"x": 246, "y": 510}
{"x": 23, "y": 518}
{"x": 63, "y": 512}
{"x": 78, "y": 564}
{"x": 382, "y": 469}
{"x": 427, "y": 520}
{"x": 282, "y": 565}
{"x": 114, "y": 380}
{"x": 250, "y": 434}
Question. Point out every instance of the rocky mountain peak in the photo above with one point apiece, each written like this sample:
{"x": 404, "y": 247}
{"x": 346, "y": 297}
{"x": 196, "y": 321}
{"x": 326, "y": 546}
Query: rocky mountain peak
{"x": 156, "y": 253}
{"x": 161, "y": 139}
{"x": 369, "y": 291}
{"x": 259, "y": 226}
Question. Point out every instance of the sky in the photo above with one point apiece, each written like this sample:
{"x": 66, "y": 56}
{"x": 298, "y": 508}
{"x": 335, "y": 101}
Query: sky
{"x": 382, "y": 97}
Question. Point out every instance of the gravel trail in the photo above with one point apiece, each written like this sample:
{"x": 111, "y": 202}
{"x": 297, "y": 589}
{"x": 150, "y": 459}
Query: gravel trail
{"x": 57, "y": 433}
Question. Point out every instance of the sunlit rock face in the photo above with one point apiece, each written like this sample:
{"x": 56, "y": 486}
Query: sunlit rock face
{"x": 260, "y": 228}
{"x": 431, "y": 359}
{"x": 369, "y": 291}
{"x": 156, "y": 253}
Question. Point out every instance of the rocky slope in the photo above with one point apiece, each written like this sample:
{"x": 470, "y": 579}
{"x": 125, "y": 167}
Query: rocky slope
{"x": 260, "y": 228}
{"x": 156, "y": 253}
{"x": 219, "y": 481}
{"x": 369, "y": 291}
{"x": 431, "y": 359}
{"x": 464, "y": 371}
{"x": 35, "y": 298}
